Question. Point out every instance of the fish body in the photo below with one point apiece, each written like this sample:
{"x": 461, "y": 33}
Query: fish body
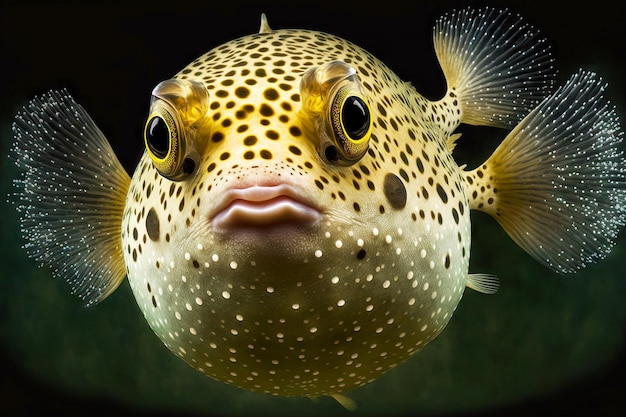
{"x": 298, "y": 224}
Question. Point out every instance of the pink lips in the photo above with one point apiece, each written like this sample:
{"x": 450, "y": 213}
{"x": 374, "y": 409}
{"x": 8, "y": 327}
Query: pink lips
{"x": 263, "y": 207}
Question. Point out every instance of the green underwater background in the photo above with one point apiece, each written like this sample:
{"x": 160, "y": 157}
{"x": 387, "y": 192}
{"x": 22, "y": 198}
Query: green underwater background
{"x": 544, "y": 343}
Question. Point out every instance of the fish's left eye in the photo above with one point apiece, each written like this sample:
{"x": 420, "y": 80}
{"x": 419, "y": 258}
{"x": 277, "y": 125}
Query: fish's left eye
{"x": 351, "y": 121}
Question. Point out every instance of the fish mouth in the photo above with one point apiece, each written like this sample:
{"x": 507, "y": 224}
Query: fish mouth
{"x": 263, "y": 207}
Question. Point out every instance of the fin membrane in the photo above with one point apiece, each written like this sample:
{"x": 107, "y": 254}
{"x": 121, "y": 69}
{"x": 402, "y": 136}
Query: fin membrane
{"x": 557, "y": 183}
{"x": 496, "y": 64}
{"x": 70, "y": 195}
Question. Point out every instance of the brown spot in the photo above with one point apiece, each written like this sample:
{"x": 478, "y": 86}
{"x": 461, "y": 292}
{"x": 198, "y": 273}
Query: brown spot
{"x": 395, "y": 191}
{"x": 152, "y": 225}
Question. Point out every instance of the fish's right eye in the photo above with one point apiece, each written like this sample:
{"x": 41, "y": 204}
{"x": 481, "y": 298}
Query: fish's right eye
{"x": 165, "y": 143}
{"x": 157, "y": 137}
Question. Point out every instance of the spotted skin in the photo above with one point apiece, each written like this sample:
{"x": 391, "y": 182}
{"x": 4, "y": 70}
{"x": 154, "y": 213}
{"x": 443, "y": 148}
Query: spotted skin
{"x": 274, "y": 243}
{"x": 352, "y": 297}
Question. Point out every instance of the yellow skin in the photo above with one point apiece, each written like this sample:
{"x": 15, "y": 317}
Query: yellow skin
{"x": 305, "y": 309}
{"x": 297, "y": 225}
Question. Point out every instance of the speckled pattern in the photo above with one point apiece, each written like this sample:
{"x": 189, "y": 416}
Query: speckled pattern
{"x": 343, "y": 301}
{"x": 364, "y": 255}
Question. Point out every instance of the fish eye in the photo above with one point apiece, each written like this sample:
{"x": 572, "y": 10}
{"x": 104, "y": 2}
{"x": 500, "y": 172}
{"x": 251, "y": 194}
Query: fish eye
{"x": 351, "y": 123}
{"x": 157, "y": 137}
{"x": 355, "y": 118}
{"x": 165, "y": 144}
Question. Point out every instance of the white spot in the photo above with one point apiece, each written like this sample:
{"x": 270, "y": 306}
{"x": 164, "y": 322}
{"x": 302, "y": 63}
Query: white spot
{"x": 187, "y": 256}
{"x": 192, "y": 331}
{"x": 318, "y": 253}
{"x": 388, "y": 239}
{"x": 233, "y": 265}
{"x": 398, "y": 251}
{"x": 215, "y": 257}
{"x": 234, "y": 332}
{"x": 199, "y": 301}
{"x": 270, "y": 289}
{"x": 433, "y": 295}
{"x": 313, "y": 329}
{"x": 431, "y": 264}
{"x": 411, "y": 301}
{"x": 338, "y": 244}
{"x": 200, "y": 247}
{"x": 183, "y": 278}
{"x": 386, "y": 284}
{"x": 399, "y": 232}
{"x": 369, "y": 307}
{"x": 295, "y": 306}
{"x": 379, "y": 330}
{"x": 423, "y": 253}
{"x": 341, "y": 303}
{"x": 334, "y": 279}
{"x": 409, "y": 275}
{"x": 188, "y": 306}
{"x": 424, "y": 327}
{"x": 226, "y": 294}
{"x": 375, "y": 231}
{"x": 360, "y": 243}
{"x": 177, "y": 315}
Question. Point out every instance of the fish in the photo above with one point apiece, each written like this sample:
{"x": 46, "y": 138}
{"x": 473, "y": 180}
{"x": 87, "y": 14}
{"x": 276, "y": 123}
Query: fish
{"x": 297, "y": 224}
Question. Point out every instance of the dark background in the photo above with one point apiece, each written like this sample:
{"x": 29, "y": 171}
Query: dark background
{"x": 544, "y": 343}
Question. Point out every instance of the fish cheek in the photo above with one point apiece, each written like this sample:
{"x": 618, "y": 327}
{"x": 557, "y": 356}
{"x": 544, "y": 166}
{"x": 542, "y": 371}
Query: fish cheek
{"x": 395, "y": 191}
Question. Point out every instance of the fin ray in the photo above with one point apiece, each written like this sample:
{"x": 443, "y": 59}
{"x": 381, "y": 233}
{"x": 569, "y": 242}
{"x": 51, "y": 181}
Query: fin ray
{"x": 557, "y": 183}
{"x": 495, "y": 63}
{"x": 484, "y": 283}
{"x": 70, "y": 195}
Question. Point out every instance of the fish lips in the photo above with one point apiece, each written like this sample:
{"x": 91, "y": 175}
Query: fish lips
{"x": 264, "y": 208}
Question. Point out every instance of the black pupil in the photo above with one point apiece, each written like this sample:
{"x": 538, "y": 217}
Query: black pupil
{"x": 355, "y": 117}
{"x": 158, "y": 137}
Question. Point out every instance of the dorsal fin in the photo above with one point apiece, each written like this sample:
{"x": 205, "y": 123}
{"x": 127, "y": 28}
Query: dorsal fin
{"x": 265, "y": 26}
{"x": 496, "y": 65}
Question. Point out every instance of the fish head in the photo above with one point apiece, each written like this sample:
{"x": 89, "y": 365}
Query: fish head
{"x": 270, "y": 236}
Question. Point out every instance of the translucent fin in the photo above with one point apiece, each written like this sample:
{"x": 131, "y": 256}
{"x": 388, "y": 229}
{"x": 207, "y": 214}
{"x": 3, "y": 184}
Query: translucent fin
{"x": 487, "y": 284}
{"x": 265, "y": 26}
{"x": 346, "y": 402}
{"x": 496, "y": 64}
{"x": 452, "y": 141}
{"x": 557, "y": 183}
{"x": 71, "y": 195}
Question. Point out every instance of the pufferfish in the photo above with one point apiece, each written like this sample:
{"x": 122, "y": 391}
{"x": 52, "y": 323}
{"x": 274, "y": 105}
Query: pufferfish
{"x": 297, "y": 224}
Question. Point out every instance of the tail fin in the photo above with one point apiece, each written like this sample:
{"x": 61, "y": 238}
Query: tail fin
{"x": 495, "y": 64}
{"x": 71, "y": 195}
{"x": 557, "y": 183}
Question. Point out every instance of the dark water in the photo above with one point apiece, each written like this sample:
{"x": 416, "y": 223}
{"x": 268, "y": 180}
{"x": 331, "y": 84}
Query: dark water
{"x": 544, "y": 343}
